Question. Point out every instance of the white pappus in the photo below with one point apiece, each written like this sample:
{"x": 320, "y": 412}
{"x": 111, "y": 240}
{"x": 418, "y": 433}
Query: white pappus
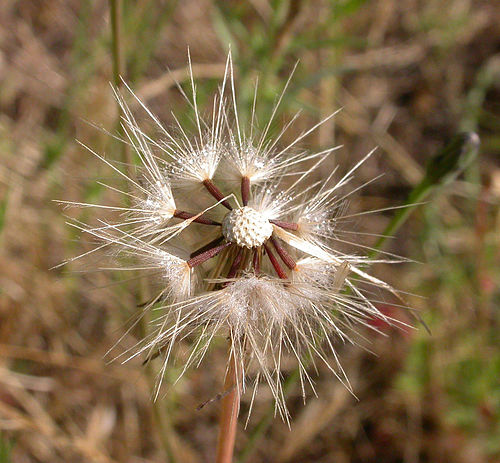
{"x": 259, "y": 262}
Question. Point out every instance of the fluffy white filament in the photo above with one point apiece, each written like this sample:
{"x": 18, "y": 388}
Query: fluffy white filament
{"x": 285, "y": 290}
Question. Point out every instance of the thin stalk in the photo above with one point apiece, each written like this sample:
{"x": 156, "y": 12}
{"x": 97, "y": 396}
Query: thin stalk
{"x": 230, "y": 408}
{"x": 257, "y": 254}
{"x": 245, "y": 190}
{"x": 276, "y": 265}
{"x": 208, "y": 254}
{"x": 236, "y": 264}
{"x": 165, "y": 432}
{"x": 286, "y": 225}
{"x": 216, "y": 193}
{"x": 115, "y": 11}
{"x": 189, "y": 215}
{"x": 206, "y": 247}
{"x": 283, "y": 253}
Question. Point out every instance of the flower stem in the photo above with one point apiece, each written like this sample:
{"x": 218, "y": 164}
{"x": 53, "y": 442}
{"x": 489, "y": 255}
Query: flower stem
{"x": 115, "y": 11}
{"x": 230, "y": 408}
{"x": 115, "y": 7}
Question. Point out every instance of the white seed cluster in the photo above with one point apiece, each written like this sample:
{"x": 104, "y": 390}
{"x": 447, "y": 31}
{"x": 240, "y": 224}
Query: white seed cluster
{"x": 246, "y": 227}
{"x": 268, "y": 310}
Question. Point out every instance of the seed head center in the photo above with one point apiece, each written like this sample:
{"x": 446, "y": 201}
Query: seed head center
{"x": 246, "y": 227}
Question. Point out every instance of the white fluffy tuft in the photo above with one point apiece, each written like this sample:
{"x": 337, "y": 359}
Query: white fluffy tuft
{"x": 272, "y": 275}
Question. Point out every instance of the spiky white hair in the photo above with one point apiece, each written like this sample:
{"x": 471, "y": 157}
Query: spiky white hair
{"x": 292, "y": 293}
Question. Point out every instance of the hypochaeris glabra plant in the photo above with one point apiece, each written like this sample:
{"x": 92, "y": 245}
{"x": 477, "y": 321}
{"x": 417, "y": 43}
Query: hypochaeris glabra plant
{"x": 244, "y": 244}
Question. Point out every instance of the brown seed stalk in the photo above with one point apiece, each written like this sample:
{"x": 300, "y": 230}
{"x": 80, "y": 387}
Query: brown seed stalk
{"x": 216, "y": 193}
{"x": 245, "y": 190}
{"x": 256, "y": 260}
{"x": 236, "y": 264}
{"x": 276, "y": 265}
{"x": 230, "y": 408}
{"x": 189, "y": 215}
{"x": 207, "y": 246}
{"x": 283, "y": 253}
{"x": 286, "y": 225}
{"x": 208, "y": 254}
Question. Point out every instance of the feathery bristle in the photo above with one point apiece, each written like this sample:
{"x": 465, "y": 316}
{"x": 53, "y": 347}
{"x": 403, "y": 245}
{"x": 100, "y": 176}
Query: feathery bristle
{"x": 272, "y": 275}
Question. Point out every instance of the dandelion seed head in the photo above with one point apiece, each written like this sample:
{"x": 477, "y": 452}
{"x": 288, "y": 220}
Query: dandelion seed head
{"x": 268, "y": 271}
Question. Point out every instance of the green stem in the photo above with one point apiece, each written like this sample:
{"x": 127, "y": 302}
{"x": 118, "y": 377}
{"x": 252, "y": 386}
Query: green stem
{"x": 165, "y": 431}
{"x": 115, "y": 7}
{"x": 115, "y": 11}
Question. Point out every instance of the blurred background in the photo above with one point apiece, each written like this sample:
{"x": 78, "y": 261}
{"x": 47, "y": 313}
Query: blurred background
{"x": 408, "y": 74}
